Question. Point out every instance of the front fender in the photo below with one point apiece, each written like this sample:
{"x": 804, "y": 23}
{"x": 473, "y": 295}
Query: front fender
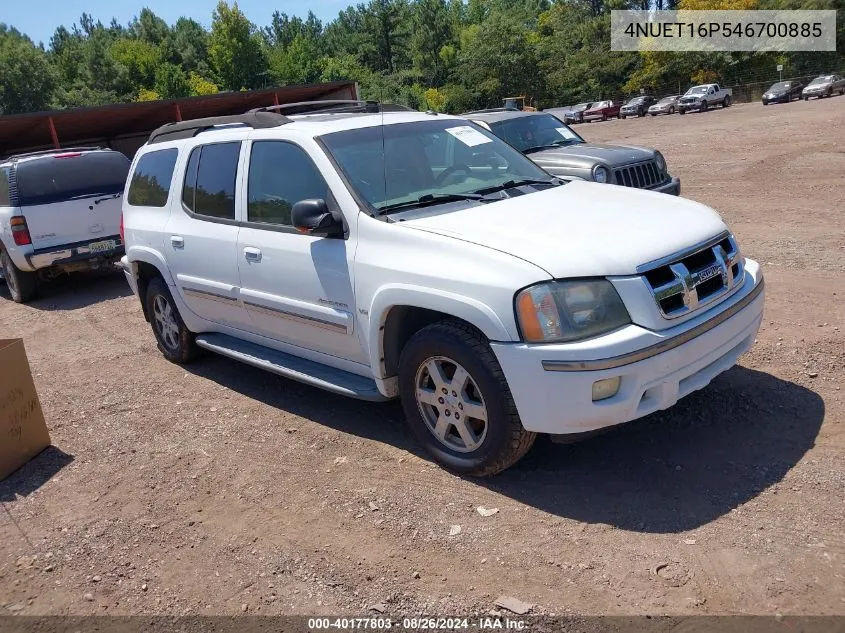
{"x": 462, "y": 307}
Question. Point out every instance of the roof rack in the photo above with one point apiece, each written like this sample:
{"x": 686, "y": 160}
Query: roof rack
{"x": 188, "y": 129}
{"x": 332, "y": 106}
{"x": 47, "y": 152}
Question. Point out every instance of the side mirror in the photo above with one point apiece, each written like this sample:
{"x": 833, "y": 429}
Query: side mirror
{"x": 312, "y": 217}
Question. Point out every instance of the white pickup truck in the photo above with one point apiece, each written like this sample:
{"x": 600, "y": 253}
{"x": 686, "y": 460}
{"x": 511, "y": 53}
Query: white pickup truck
{"x": 381, "y": 254}
{"x": 59, "y": 213}
{"x": 699, "y": 98}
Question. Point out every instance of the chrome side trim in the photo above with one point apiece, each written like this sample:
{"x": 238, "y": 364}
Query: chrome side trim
{"x": 210, "y": 296}
{"x": 313, "y": 321}
{"x": 657, "y": 348}
{"x": 692, "y": 250}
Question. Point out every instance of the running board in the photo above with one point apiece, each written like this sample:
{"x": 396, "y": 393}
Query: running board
{"x": 288, "y": 366}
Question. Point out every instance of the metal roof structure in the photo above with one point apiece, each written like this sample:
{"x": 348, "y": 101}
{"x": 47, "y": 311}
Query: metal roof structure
{"x": 126, "y": 126}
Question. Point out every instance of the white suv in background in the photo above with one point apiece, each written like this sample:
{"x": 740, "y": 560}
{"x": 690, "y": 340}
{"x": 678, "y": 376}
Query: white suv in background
{"x": 59, "y": 213}
{"x": 382, "y": 254}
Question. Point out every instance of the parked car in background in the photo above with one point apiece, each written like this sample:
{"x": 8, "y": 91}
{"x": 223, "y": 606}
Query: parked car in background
{"x": 824, "y": 86}
{"x": 576, "y": 113}
{"x": 415, "y": 255}
{"x": 638, "y": 106}
{"x": 59, "y": 213}
{"x": 559, "y": 112}
{"x": 602, "y": 111}
{"x": 667, "y": 105}
{"x": 783, "y": 91}
{"x": 699, "y": 98}
{"x": 560, "y": 151}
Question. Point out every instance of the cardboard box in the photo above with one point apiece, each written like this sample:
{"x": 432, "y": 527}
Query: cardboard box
{"x": 23, "y": 432}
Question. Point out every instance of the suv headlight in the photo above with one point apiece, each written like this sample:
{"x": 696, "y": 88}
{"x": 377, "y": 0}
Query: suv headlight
{"x": 661, "y": 162}
{"x": 600, "y": 174}
{"x": 561, "y": 311}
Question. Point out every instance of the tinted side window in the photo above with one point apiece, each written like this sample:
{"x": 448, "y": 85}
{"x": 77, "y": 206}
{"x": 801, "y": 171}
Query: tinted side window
{"x": 150, "y": 184}
{"x": 210, "y": 180}
{"x": 280, "y": 175}
{"x": 5, "y": 193}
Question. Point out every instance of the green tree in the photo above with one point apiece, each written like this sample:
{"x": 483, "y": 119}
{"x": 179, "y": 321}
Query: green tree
{"x": 432, "y": 32}
{"x": 27, "y": 79}
{"x": 235, "y": 49}
{"x": 187, "y": 46}
{"x": 171, "y": 82}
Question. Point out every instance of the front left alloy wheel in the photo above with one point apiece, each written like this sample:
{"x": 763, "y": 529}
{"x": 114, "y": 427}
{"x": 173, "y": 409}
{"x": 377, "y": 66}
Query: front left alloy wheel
{"x": 457, "y": 402}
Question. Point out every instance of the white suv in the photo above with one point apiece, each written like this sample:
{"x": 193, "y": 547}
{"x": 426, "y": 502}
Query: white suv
{"x": 59, "y": 213}
{"x": 400, "y": 254}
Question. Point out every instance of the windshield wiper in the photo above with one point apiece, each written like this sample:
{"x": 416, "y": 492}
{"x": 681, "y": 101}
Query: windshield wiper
{"x": 428, "y": 200}
{"x": 510, "y": 184}
{"x": 560, "y": 143}
{"x": 111, "y": 197}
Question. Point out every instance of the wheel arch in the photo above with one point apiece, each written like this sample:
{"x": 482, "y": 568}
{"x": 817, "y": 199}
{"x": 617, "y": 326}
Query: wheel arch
{"x": 147, "y": 264}
{"x": 397, "y": 313}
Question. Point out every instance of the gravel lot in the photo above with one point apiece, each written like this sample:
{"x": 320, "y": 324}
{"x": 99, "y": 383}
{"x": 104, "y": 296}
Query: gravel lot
{"x": 219, "y": 489}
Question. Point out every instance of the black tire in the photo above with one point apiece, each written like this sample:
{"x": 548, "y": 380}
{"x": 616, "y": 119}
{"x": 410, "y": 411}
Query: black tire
{"x": 671, "y": 110}
{"x": 22, "y": 285}
{"x": 604, "y": 117}
{"x": 828, "y": 94}
{"x": 623, "y": 116}
{"x": 177, "y": 346}
{"x": 703, "y": 107}
{"x": 504, "y": 440}
{"x": 726, "y": 102}
{"x": 806, "y": 98}
{"x": 681, "y": 111}
{"x": 653, "y": 113}
{"x": 765, "y": 103}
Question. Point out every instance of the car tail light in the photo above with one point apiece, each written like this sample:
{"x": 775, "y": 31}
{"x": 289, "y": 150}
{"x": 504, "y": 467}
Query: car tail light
{"x": 20, "y": 232}
{"x": 122, "y": 234}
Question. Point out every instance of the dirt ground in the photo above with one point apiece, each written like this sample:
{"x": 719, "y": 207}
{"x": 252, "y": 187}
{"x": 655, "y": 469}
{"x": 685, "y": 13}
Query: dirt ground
{"x": 219, "y": 489}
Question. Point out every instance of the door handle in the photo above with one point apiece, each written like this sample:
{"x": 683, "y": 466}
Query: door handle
{"x": 252, "y": 254}
{"x": 177, "y": 241}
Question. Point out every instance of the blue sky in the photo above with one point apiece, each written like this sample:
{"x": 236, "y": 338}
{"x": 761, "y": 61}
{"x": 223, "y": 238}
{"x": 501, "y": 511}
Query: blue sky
{"x": 39, "y": 18}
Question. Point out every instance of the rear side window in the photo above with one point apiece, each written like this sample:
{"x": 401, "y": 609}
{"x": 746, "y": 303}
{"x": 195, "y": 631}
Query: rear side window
{"x": 210, "y": 180}
{"x": 5, "y": 187}
{"x": 62, "y": 177}
{"x": 150, "y": 184}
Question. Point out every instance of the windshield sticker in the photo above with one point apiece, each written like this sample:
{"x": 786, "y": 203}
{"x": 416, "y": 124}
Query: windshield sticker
{"x": 565, "y": 132}
{"x": 468, "y": 136}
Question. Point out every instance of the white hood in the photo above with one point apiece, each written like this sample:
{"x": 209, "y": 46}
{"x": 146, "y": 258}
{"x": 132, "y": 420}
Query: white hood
{"x": 582, "y": 228}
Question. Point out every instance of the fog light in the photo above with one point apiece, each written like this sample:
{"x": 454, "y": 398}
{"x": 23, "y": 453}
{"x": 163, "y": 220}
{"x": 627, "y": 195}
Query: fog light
{"x": 606, "y": 388}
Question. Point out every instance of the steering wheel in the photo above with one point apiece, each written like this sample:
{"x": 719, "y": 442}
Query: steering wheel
{"x": 451, "y": 170}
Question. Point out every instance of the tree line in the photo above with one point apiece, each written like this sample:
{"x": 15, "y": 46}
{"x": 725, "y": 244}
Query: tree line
{"x": 446, "y": 55}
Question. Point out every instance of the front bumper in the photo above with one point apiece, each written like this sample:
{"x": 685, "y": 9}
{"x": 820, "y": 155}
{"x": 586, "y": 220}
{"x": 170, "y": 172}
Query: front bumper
{"x": 76, "y": 253}
{"x": 672, "y": 187}
{"x": 552, "y": 384}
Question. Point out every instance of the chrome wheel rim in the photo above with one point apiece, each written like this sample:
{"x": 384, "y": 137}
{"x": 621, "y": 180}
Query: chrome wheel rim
{"x": 7, "y": 274}
{"x": 451, "y": 404}
{"x": 165, "y": 321}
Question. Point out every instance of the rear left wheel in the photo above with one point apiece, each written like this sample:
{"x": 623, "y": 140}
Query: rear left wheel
{"x": 457, "y": 402}
{"x": 175, "y": 341}
{"x": 22, "y": 284}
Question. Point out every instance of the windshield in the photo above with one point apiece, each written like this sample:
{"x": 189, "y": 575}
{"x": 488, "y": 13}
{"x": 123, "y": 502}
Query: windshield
{"x": 535, "y": 133}
{"x": 62, "y": 177}
{"x": 393, "y": 164}
{"x": 668, "y": 99}
{"x": 636, "y": 101}
{"x": 783, "y": 85}
{"x": 820, "y": 80}
{"x": 581, "y": 107}
{"x": 698, "y": 90}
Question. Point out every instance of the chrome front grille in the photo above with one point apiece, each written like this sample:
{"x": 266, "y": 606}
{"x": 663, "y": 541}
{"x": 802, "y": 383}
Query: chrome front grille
{"x": 642, "y": 175}
{"x": 694, "y": 279}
